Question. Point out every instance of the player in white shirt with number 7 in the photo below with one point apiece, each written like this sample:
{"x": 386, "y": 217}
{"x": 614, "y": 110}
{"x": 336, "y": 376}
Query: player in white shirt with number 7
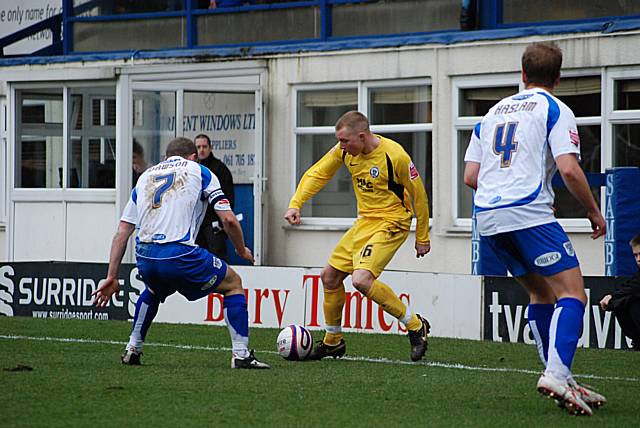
{"x": 166, "y": 208}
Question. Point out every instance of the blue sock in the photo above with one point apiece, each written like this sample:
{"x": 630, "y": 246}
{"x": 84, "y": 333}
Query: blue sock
{"x": 146, "y": 310}
{"x": 237, "y": 319}
{"x": 539, "y": 320}
{"x": 564, "y": 332}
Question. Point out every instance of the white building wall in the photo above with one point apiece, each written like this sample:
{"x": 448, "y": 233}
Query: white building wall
{"x": 3, "y": 244}
{"x": 451, "y": 244}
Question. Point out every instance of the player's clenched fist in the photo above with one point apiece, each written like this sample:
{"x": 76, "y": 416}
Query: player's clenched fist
{"x": 292, "y": 216}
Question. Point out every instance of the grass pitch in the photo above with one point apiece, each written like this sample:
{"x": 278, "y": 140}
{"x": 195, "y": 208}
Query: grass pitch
{"x": 186, "y": 381}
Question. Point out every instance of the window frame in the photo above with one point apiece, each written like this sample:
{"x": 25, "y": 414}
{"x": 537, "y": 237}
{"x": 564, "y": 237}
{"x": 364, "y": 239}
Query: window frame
{"x": 466, "y": 123}
{"x": 4, "y": 160}
{"x": 363, "y": 88}
{"x": 460, "y": 123}
{"x": 613, "y": 116}
{"x": 66, "y": 193}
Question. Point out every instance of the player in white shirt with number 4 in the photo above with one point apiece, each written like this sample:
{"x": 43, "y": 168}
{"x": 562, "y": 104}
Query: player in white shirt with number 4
{"x": 511, "y": 159}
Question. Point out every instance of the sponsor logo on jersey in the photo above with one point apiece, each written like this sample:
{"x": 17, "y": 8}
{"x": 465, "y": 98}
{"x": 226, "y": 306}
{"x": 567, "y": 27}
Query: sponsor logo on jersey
{"x": 364, "y": 185}
{"x": 374, "y": 172}
{"x": 210, "y": 284}
{"x": 548, "y": 259}
{"x": 413, "y": 171}
{"x": 159, "y": 236}
{"x": 574, "y": 136}
{"x": 521, "y": 97}
{"x": 495, "y": 200}
{"x": 569, "y": 249}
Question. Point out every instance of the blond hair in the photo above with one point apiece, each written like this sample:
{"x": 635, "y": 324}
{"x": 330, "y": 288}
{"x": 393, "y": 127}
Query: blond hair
{"x": 354, "y": 120}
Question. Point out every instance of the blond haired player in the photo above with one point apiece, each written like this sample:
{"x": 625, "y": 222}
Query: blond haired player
{"x": 389, "y": 191}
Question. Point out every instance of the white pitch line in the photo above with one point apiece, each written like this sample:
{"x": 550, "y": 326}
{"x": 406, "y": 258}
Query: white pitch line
{"x": 362, "y": 359}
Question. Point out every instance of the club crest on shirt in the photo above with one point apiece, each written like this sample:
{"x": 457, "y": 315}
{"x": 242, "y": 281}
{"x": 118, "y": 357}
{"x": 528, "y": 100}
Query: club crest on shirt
{"x": 374, "y": 172}
{"x": 217, "y": 263}
{"x": 569, "y": 249}
{"x": 413, "y": 171}
{"x": 574, "y": 137}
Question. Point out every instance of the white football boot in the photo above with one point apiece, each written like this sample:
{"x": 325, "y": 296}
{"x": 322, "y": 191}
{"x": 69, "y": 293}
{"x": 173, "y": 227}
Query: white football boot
{"x": 561, "y": 391}
{"x": 588, "y": 395}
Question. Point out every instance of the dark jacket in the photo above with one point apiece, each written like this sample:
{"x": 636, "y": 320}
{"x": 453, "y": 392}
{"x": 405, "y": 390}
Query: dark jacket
{"x": 226, "y": 183}
{"x": 625, "y": 293}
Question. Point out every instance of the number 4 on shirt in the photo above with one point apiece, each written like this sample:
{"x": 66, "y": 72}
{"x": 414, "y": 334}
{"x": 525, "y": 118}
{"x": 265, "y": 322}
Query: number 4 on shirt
{"x": 504, "y": 144}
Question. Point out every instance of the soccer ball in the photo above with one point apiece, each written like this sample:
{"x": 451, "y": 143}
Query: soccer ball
{"x": 294, "y": 343}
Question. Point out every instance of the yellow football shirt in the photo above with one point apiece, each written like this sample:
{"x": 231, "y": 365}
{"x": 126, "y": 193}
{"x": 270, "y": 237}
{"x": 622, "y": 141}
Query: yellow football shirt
{"x": 385, "y": 182}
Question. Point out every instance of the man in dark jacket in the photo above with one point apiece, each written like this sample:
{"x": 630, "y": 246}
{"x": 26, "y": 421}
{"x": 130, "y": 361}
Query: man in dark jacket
{"x": 625, "y": 301}
{"x": 214, "y": 240}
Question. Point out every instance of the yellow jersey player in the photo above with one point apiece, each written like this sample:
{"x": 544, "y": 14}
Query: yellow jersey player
{"x": 385, "y": 182}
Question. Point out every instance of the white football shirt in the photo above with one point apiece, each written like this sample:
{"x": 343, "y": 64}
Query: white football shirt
{"x": 169, "y": 201}
{"x": 516, "y": 144}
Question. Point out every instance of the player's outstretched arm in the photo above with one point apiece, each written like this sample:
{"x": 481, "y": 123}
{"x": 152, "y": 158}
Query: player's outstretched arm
{"x": 293, "y": 216}
{"x": 409, "y": 177}
{"x": 312, "y": 181}
{"x": 233, "y": 229}
{"x": 119, "y": 244}
{"x": 577, "y": 184}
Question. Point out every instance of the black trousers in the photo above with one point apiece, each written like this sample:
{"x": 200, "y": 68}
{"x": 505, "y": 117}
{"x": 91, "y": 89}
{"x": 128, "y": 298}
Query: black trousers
{"x": 213, "y": 242}
{"x": 629, "y": 319}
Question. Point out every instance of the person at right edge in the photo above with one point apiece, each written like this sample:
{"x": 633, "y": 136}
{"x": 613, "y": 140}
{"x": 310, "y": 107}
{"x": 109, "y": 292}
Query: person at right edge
{"x": 512, "y": 157}
{"x": 386, "y": 184}
{"x": 625, "y": 301}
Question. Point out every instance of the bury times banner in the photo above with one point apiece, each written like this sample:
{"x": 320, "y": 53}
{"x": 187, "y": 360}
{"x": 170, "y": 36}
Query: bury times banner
{"x": 276, "y": 297}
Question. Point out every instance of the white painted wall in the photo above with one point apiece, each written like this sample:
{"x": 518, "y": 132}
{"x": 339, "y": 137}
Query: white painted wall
{"x": 90, "y": 229}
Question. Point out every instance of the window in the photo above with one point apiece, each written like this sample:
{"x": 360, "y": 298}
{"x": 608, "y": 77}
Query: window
{"x": 516, "y": 11}
{"x": 88, "y": 158}
{"x": 39, "y": 154}
{"x": 473, "y": 98}
{"x": 92, "y": 146}
{"x": 582, "y": 95}
{"x": 400, "y": 110}
{"x": 154, "y": 126}
{"x": 625, "y": 120}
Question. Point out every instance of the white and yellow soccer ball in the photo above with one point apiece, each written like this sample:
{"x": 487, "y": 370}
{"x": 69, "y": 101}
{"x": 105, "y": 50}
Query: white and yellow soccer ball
{"x": 294, "y": 343}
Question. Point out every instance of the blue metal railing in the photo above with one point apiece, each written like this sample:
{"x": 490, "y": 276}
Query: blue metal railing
{"x": 476, "y": 14}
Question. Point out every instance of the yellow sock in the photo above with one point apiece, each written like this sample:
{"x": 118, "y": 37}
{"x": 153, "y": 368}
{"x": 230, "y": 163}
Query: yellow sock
{"x": 332, "y": 307}
{"x": 384, "y": 296}
{"x": 414, "y": 323}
